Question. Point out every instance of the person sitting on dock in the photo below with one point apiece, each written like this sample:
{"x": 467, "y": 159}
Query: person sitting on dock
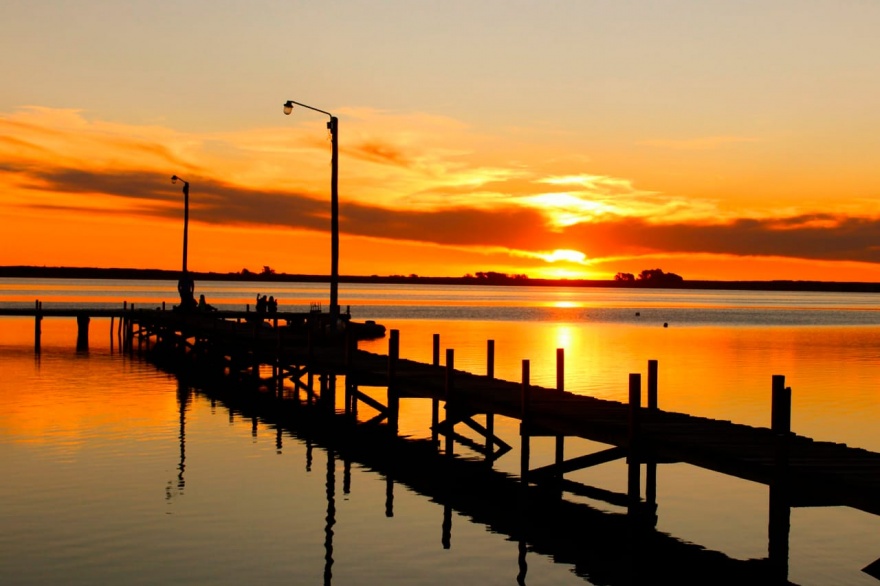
{"x": 272, "y": 304}
{"x": 204, "y": 305}
{"x": 262, "y": 303}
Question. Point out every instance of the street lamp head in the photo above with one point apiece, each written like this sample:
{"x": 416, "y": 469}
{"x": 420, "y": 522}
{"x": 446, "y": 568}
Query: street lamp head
{"x": 288, "y": 107}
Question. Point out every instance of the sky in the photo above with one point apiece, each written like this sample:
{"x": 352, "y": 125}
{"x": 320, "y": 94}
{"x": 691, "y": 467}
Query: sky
{"x": 555, "y": 139}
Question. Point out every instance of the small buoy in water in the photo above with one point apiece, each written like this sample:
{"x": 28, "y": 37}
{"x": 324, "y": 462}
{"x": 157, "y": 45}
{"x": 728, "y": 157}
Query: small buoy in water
{"x": 638, "y": 313}
{"x": 665, "y": 325}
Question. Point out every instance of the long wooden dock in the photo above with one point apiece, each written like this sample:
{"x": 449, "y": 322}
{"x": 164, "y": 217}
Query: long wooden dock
{"x": 306, "y": 358}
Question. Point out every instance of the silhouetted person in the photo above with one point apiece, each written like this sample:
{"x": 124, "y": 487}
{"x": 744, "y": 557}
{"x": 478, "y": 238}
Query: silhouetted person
{"x": 272, "y": 304}
{"x": 204, "y": 305}
{"x": 262, "y": 304}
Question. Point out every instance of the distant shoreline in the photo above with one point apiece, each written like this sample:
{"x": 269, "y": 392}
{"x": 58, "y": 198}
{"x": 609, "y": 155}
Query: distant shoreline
{"x": 32, "y": 272}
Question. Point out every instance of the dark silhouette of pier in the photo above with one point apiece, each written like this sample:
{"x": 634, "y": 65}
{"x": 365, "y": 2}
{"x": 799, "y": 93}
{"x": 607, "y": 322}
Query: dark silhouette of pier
{"x": 284, "y": 369}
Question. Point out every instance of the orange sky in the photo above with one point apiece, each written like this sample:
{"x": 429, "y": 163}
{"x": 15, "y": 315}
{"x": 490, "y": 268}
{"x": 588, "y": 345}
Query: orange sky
{"x": 705, "y": 143}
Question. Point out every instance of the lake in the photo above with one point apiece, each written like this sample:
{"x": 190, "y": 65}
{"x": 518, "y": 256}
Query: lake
{"x": 116, "y": 473}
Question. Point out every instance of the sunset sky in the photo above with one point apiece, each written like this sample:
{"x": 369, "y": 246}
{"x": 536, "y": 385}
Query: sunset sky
{"x": 717, "y": 140}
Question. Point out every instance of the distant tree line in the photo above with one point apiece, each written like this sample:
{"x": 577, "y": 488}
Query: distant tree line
{"x": 650, "y": 278}
{"x": 493, "y": 277}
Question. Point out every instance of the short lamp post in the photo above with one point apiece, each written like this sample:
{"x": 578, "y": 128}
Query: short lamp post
{"x": 333, "y": 126}
{"x": 185, "y": 286}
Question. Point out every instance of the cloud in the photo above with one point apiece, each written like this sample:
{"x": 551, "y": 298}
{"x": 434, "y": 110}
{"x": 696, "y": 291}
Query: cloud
{"x": 394, "y": 189}
{"x": 705, "y": 143}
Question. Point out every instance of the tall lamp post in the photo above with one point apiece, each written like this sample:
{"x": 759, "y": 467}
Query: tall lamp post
{"x": 333, "y": 126}
{"x": 185, "y": 286}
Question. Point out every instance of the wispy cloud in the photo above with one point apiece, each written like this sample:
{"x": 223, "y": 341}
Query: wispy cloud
{"x": 395, "y": 189}
{"x": 704, "y": 143}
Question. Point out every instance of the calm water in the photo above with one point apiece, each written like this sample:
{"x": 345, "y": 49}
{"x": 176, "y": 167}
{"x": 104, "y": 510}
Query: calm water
{"x": 115, "y": 474}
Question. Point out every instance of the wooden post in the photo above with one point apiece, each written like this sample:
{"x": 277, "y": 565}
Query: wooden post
{"x": 129, "y": 328}
{"x": 490, "y": 358}
{"x": 82, "y": 332}
{"x": 38, "y": 328}
{"x": 560, "y": 387}
{"x": 120, "y": 325}
{"x": 276, "y": 358}
{"x": 635, "y": 406}
{"x": 652, "y": 385}
{"x": 780, "y": 412}
{"x": 393, "y": 396}
{"x": 524, "y": 425}
{"x": 560, "y": 369}
{"x": 435, "y": 402}
{"x": 779, "y": 525}
{"x": 450, "y": 391}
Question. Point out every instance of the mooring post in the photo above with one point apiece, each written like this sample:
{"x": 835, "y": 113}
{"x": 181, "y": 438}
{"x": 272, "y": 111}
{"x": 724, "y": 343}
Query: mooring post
{"x": 436, "y": 350}
{"x": 393, "y": 396}
{"x": 38, "y": 328}
{"x": 450, "y": 391}
{"x": 652, "y": 385}
{"x": 524, "y": 425}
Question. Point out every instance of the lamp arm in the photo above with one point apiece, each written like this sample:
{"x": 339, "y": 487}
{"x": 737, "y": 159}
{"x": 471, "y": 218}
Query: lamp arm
{"x": 310, "y": 108}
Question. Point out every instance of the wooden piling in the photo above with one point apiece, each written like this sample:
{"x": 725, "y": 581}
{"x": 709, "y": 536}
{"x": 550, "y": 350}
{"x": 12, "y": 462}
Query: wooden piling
{"x": 490, "y": 417}
{"x": 82, "y": 331}
{"x": 38, "y": 328}
{"x": 490, "y": 358}
{"x": 393, "y": 394}
{"x": 652, "y": 385}
{"x": 780, "y": 411}
{"x": 560, "y": 387}
{"x": 560, "y": 369}
{"x": 450, "y": 391}
{"x": 779, "y": 525}
{"x": 635, "y": 406}
{"x": 524, "y": 425}
{"x": 435, "y": 403}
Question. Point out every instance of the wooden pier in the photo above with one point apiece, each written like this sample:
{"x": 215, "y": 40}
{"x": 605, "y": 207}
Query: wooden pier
{"x": 294, "y": 362}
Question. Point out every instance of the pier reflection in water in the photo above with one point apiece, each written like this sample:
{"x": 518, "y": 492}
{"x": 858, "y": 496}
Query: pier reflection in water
{"x": 613, "y": 548}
